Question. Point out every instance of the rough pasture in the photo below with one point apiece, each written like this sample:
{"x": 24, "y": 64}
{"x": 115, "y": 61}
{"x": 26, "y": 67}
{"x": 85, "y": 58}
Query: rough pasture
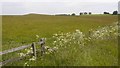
{"x": 19, "y": 30}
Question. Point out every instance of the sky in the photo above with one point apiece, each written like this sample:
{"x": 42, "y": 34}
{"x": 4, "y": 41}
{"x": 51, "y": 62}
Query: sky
{"x": 20, "y": 7}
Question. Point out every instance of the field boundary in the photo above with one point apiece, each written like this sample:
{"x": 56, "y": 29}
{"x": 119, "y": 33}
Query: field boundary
{"x": 42, "y": 42}
{"x": 15, "y": 49}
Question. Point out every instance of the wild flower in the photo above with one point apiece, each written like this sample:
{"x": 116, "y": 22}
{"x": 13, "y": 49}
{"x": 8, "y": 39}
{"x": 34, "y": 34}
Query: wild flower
{"x": 105, "y": 32}
{"x": 55, "y": 34}
{"x": 77, "y": 30}
{"x": 65, "y": 40}
{"x": 55, "y": 48}
{"x": 21, "y": 54}
{"x": 47, "y": 53}
{"x": 47, "y": 47}
{"x": 33, "y": 58}
{"x": 50, "y": 50}
{"x": 54, "y": 42}
{"x": 26, "y": 64}
{"x": 37, "y": 36}
{"x": 31, "y": 48}
{"x": 29, "y": 51}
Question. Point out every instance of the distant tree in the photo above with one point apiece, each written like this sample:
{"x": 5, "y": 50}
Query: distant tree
{"x": 73, "y": 14}
{"x": 81, "y": 13}
{"x": 85, "y": 13}
{"x": 68, "y": 14}
{"x": 106, "y": 13}
{"x": 115, "y": 12}
{"x": 90, "y": 13}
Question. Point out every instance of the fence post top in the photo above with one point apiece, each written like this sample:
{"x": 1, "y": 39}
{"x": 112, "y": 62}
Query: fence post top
{"x": 33, "y": 44}
{"x": 42, "y": 39}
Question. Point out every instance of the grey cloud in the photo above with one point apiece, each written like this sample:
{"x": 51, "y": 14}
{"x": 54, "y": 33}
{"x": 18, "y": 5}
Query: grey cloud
{"x": 57, "y": 7}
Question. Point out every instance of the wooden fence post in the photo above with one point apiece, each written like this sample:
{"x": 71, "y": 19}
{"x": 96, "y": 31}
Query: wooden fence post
{"x": 34, "y": 49}
{"x": 42, "y": 44}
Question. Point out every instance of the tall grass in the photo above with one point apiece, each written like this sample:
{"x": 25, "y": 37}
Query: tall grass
{"x": 94, "y": 42}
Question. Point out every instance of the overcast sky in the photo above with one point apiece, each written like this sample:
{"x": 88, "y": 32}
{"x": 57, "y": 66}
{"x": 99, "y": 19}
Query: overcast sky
{"x": 13, "y": 7}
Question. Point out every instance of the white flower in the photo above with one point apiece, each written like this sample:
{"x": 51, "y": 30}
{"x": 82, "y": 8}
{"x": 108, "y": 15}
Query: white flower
{"x": 55, "y": 34}
{"x": 33, "y": 58}
{"x": 54, "y": 42}
{"x": 25, "y": 63}
{"x": 47, "y": 53}
{"x": 37, "y": 36}
{"x": 55, "y": 48}
{"x": 50, "y": 50}
{"x": 46, "y": 47}
{"x": 31, "y": 48}
{"x": 77, "y": 30}
{"x": 21, "y": 54}
{"x": 73, "y": 38}
{"x": 62, "y": 39}
{"x": 29, "y": 51}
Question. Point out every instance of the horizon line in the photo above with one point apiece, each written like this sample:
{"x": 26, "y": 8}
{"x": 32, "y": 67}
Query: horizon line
{"x": 55, "y": 13}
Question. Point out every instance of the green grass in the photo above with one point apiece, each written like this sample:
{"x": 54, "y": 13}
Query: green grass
{"x": 20, "y": 30}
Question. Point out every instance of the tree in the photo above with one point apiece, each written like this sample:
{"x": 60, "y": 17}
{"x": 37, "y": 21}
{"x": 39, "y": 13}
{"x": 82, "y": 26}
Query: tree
{"x": 90, "y": 13}
{"x": 73, "y": 14}
{"x": 81, "y": 13}
{"x": 106, "y": 13}
{"x": 115, "y": 12}
{"x": 85, "y": 13}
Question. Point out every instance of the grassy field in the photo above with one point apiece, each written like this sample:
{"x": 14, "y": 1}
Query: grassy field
{"x": 20, "y": 30}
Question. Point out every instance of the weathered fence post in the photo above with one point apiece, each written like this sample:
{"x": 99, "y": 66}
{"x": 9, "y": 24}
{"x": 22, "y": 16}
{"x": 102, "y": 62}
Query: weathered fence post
{"x": 42, "y": 43}
{"x": 34, "y": 49}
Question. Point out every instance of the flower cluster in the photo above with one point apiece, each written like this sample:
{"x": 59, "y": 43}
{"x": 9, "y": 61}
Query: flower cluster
{"x": 49, "y": 50}
{"x": 33, "y": 58}
{"x": 106, "y": 32}
{"x": 66, "y": 39}
{"x": 27, "y": 51}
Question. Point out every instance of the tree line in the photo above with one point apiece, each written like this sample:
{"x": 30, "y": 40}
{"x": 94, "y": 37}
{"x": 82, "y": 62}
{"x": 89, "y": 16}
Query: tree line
{"x": 114, "y": 13}
{"x": 86, "y": 13}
